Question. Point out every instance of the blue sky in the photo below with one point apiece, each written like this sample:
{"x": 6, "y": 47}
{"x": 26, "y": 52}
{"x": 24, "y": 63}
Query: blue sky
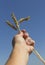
{"x": 35, "y": 26}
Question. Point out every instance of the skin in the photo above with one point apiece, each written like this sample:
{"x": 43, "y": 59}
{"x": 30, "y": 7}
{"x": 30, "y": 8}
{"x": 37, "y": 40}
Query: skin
{"x": 23, "y": 46}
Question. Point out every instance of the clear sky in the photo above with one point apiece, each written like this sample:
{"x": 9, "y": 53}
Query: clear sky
{"x": 35, "y": 26}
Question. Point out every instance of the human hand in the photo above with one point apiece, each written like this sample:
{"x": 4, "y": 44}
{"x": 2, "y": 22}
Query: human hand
{"x": 23, "y": 41}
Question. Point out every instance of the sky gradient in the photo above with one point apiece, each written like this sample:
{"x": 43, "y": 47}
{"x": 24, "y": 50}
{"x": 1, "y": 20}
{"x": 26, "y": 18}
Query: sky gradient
{"x": 35, "y": 26}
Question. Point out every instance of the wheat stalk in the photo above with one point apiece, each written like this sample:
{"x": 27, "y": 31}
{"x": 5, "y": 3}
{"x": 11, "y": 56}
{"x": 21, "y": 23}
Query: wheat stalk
{"x": 18, "y": 28}
{"x": 11, "y": 25}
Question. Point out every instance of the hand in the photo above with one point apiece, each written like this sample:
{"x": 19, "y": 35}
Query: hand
{"x": 23, "y": 41}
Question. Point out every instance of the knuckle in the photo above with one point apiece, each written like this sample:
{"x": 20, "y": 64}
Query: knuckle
{"x": 33, "y": 41}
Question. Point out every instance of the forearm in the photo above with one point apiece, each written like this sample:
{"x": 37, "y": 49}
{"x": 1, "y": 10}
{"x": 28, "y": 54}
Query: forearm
{"x": 18, "y": 56}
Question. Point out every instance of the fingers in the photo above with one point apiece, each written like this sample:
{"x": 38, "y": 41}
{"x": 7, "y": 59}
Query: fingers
{"x": 29, "y": 41}
{"x": 30, "y": 49}
{"x": 30, "y": 44}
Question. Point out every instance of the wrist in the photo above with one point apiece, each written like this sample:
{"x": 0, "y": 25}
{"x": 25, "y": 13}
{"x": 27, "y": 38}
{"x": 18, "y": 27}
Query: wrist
{"x": 21, "y": 53}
